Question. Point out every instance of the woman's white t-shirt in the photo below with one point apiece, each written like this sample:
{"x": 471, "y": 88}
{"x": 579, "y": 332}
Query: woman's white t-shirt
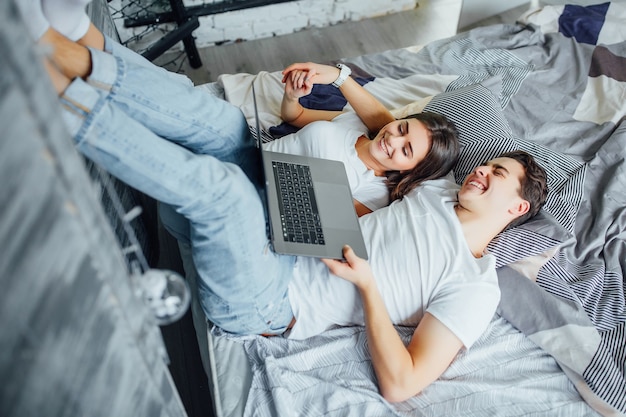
{"x": 335, "y": 140}
{"x": 421, "y": 263}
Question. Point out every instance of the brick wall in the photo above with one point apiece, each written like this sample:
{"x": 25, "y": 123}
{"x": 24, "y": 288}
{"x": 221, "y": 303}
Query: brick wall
{"x": 278, "y": 19}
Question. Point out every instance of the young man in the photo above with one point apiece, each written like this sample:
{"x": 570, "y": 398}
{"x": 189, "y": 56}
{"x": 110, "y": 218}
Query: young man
{"x": 427, "y": 262}
{"x": 506, "y": 190}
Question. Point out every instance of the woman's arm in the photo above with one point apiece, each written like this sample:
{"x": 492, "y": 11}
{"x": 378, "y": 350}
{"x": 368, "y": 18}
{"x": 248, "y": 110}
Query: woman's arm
{"x": 366, "y": 106}
{"x": 291, "y": 111}
{"x": 402, "y": 371}
{"x": 299, "y": 79}
{"x": 360, "y": 208}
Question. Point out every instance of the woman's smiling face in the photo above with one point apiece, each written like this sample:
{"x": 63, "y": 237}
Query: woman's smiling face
{"x": 399, "y": 146}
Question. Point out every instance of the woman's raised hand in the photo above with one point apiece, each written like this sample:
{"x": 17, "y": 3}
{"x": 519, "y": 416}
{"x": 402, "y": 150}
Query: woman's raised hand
{"x": 310, "y": 71}
{"x": 299, "y": 79}
{"x": 297, "y": 84}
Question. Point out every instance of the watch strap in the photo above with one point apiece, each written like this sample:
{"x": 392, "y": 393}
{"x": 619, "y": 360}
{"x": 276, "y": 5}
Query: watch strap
{"x": 344, "y": 73}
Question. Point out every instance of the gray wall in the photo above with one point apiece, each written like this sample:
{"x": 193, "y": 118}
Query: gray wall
{"x": 74, "y": 340}
{"x": 476, "y": 10}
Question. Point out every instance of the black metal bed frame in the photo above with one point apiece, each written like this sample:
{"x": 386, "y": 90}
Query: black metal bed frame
{"x": 186, "y": 19}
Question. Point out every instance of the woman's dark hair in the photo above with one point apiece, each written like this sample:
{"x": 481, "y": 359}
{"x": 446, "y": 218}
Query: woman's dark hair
{"x": 440, "y": 159}
{"x": 533, "y": 186}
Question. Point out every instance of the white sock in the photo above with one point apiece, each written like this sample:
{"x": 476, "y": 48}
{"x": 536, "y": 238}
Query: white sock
{"x": 68, "y": 17}
{"x": 33, "y": 18}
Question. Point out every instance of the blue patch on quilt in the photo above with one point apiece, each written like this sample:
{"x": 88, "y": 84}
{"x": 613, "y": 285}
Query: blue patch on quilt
{"x": 322, "y": 97}
{"x": 583, "y": 23}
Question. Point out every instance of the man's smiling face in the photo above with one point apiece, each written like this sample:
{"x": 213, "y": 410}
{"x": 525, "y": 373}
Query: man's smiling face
{"x": 493, "y": 187}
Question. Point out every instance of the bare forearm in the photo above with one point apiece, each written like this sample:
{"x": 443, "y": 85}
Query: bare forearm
{"x": 402, "y": 371}
{"x": 367, "y": 107}
{"x": 70, "y": 58}
{"x": 290, "y": 110}
{"x": 59, "y": 81}
{"x": 93, "y": 38}
{"x": 391, "y": 360}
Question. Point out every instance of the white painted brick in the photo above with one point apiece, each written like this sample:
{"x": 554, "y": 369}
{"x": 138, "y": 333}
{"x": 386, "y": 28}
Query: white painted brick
{"x": 337, "y": 15}
{"x": 316, "y": 7}
{"x": 239, "y": 32}
{"x": 225, "y": 20}
{"x": 207, "y": 33}
{"x": 286, "y": 25}
{"x": 355, "y": 6}
{"x": 278, "y": 11}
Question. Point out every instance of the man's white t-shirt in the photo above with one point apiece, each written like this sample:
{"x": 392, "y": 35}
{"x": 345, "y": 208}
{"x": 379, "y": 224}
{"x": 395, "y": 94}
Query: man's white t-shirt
{"x": 421, "y": 263}
{"x": 335, "y": 140}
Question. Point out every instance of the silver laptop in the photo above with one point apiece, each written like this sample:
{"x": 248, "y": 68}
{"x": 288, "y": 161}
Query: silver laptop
{"x": 310, "y": 204}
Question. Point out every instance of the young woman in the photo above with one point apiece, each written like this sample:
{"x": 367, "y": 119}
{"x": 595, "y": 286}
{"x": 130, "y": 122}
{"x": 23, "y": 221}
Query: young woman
{"x": 384, "y": 158}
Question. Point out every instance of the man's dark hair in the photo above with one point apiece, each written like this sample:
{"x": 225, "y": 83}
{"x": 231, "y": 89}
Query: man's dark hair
{"x": 534, "y": 184}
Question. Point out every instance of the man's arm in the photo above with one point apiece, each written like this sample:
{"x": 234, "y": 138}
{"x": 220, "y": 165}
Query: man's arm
{"x": 402, "y": 371}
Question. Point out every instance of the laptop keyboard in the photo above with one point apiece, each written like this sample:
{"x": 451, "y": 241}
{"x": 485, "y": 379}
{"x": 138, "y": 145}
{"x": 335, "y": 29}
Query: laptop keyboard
{"x": 298, "y": 209}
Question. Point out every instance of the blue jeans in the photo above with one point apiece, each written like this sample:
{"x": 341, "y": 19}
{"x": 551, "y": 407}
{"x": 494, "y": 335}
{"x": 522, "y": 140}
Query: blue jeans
{"x": 194, "y": 153}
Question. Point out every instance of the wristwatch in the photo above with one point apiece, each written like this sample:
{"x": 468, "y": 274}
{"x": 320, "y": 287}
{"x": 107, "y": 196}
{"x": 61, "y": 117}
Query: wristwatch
{"x": 344, "y": 73}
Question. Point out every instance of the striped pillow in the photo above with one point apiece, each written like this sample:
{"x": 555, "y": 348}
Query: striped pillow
{"x": 484, "y": 133}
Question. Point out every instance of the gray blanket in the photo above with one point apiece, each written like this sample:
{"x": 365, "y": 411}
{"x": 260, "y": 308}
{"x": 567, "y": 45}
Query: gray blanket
{"x": 560, "y": 332}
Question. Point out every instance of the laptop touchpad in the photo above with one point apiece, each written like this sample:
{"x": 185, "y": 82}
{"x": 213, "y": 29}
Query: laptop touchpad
{"x": 336, "y": 206}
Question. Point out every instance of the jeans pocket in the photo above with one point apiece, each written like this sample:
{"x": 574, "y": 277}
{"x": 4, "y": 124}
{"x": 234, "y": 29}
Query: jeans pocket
{"x": 276, "y": 315}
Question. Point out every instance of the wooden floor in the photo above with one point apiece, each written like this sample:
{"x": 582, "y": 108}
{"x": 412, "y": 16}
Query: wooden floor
{"x": 432, "y": 19}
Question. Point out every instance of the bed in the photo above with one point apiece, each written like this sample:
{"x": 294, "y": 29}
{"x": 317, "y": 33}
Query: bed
{"x": 553, "y": 84}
